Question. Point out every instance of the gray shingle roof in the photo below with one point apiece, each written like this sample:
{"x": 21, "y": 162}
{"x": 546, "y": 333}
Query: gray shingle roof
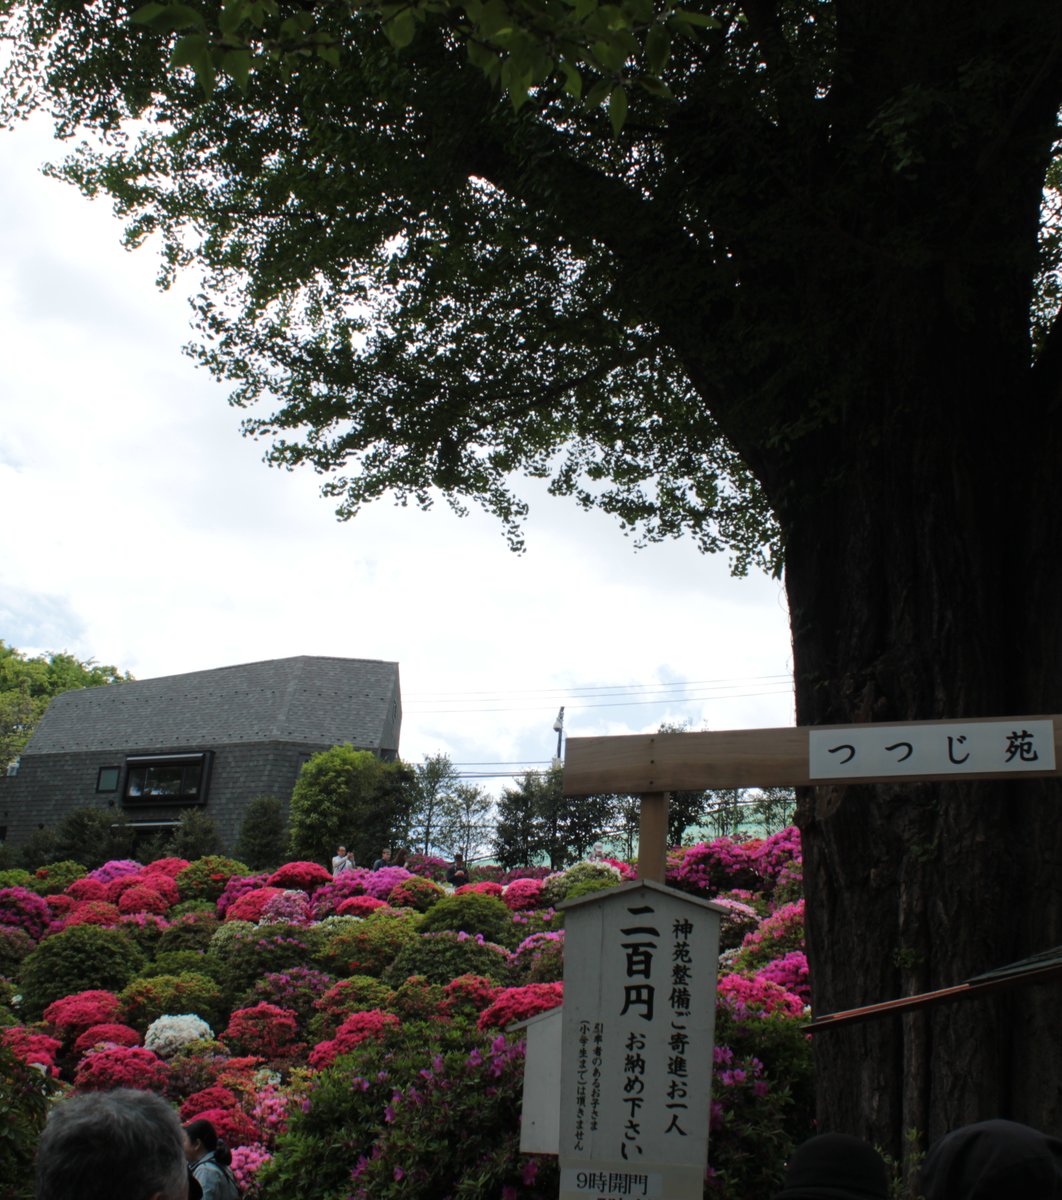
{"x": 324, "y": 701}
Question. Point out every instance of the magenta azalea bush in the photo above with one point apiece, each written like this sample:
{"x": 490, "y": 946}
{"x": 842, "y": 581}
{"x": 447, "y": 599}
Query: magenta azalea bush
{"x": 349, "y": 1047}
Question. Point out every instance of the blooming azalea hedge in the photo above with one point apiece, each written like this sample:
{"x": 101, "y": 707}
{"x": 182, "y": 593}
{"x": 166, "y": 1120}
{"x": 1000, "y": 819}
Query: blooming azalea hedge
{"x": 346, "y": 1036}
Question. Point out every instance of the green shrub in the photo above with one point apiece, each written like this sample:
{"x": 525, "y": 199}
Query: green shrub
{"x": 91, "y": 836}
{"x": 246, "y": 952}
{"x": 263, "y": 840}
{"x": 579, "y": 880}
{"x": 472, "y": 913}
{"x": 196, "y": 835}
{"x": 24, "y": 1103}
{"x": 442, "y": 956}
{"x": 15, "y": 944}
{"x": 78, "y": 958}
{"x": 359, "y": 993}
{"x": 175, "y": 962}
{"x": 193, "y": 906}
{"x": 146, "y": 999}
{"x": 56, "y": 877}
{"x": 355, "y": 946}
{"x": 417, "y": 893}
{"x": 189, "y": 931}
{"x": 205, "y": 878}
{"x": 16, "y": 877}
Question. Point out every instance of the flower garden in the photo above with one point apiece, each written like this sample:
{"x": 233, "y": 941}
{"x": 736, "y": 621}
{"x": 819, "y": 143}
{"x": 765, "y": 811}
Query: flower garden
{"x": 348, "y": 1038}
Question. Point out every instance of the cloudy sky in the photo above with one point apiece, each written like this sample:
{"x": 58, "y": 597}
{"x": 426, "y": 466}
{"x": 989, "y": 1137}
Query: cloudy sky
{"x": 140, "y": 529}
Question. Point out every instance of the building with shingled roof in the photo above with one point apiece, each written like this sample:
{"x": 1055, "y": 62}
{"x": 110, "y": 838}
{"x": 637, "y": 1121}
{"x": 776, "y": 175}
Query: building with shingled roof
{"x": 216, "y": 739}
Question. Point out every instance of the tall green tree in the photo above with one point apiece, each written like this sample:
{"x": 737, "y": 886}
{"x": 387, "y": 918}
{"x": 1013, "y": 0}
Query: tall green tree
{"x": 28, "y": 684}
{"x": 436, "y": 780}
{"x": 466, "y": 821}
{"x": 350, "y": 797}
{"x": 790, "y": 293}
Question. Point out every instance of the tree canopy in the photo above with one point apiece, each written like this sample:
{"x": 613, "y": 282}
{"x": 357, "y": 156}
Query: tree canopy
{"x": 27, "y": 685}
{"x": 798, "y": 298}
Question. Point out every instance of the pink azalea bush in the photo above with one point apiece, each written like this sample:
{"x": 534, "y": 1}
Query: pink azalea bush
{"x": 486, "y": 887}
{"x": 171, "y": 867}
{"x": 523, "y": 894}
{"x": 789, "y": 972}
{"x": 328, "y": 897}
{"x": 379, "y": 883}
{"x": 23, "y": 909}
{"x": 87, "y": 888}
{"x": 114, "y": 869}
{"x": 238, "y": 886}
{"x": 290, "y": 906}
{"x": 781, "y": 932}
{"x": 755, "y": 997}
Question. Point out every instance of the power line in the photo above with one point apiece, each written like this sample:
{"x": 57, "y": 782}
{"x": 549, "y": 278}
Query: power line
{"x": 579, "y": 689}
{"x": 630, "y": 703}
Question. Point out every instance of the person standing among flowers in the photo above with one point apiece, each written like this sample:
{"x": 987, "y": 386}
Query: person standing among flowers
{"x": 342, "y": 862}
{"x": 209, "y": 1158}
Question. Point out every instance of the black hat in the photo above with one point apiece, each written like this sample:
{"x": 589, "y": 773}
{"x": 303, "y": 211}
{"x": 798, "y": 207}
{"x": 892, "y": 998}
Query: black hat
{"x": 834, "y": 1166}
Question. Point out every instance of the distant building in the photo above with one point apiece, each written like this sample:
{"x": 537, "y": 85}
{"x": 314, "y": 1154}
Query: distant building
{"x": 151, "y": 748}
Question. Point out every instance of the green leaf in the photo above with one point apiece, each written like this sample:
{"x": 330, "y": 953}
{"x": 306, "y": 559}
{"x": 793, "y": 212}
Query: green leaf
{"x": 400, "y": 29}
{"x": 657, "y": 48}
{"x": 573, "y": 81}
{"x": 330, "y": 54}
{"x": 598, "y": 93}
{"x": 189, "y": 50}
{"x": 695, "y": 18}
{"x": 655, "y": 87}
{"x": 238, "y": 64}
{"x": 168, "y": 18}
{"x": 617, "y": 108}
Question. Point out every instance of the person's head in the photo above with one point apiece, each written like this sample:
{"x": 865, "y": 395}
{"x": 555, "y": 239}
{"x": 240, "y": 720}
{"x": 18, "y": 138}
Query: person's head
{"x": 990, "y": 1159}
{"x": 835, "y": 1166}
{"x": 200, "y": 1137}
{"x": 118, "y": 1145}
{"x": 385, "y": 854}
{"x": 599, "y": 848}
{"x": 459, "y": 858}
{"x": 342, "y": 852}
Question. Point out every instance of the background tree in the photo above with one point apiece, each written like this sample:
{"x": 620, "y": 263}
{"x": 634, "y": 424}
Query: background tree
{"x": 435, "y": 782}
{"x": 90, "y": 836}
{"x": 466, "y": 821}
{"x": 27, "y": 685}
{"x": 350, "y": 797}
{"x": 782, "y": 294}
{"x": 517, "y": 837}
{"x": 264, "y": 836}
{"x": 196, "y": 835}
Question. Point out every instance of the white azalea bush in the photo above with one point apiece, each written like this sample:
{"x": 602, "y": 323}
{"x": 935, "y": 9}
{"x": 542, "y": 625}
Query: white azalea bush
{"x": 169, "y": 1035}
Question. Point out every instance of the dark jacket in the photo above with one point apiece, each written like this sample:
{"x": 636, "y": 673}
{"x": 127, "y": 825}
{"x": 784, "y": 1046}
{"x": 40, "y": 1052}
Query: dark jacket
{"x": 217, "y": 1182}
{"x": 993, "y": 1160}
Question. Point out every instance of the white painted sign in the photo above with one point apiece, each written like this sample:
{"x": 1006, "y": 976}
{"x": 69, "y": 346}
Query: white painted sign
{"x": 624, "y": 1185}
{"x": 933, "y": 748}
{"x": 640, "y": 968}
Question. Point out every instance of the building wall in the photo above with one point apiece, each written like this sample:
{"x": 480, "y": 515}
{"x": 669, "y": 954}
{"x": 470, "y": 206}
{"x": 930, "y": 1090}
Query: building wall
{"x": 48, "y": 786}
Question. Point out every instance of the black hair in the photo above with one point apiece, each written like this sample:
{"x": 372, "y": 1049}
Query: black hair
{"x": 201, "y": 1130}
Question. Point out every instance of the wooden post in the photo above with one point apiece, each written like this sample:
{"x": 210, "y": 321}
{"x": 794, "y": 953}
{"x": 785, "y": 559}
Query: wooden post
{"x": 652, "y": 836}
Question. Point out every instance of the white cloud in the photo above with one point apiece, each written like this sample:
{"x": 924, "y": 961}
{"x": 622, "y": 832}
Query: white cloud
{"x": 142, "y": 530}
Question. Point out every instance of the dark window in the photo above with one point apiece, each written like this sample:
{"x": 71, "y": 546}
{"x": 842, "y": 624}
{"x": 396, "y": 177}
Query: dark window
{"x": 179, "y": 778}
{"x": 107, "y": 779}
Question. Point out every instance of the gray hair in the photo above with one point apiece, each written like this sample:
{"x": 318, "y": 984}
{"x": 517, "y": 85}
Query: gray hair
{"x": 118, "y": 1145}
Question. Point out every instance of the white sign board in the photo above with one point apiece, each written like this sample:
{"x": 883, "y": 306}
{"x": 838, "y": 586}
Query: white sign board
{"x": 932, "y": 749}
{"x": 640, "y": 969}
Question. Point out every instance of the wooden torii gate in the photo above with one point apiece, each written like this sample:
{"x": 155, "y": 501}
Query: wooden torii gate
{"x": 653, "y": 765}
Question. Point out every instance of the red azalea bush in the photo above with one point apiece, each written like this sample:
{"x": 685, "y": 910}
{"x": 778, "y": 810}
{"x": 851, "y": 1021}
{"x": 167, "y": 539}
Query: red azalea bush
{"x": 523, "y": 894}
{"x": 117, "y": 887}
{"x": 110, "y": 1033}
{"x": 71, "y": 1015}
{"x": 356, "y": 994}
{"x": 233, "y": 1125}
{"x": 214, "y": 1096}
{"x": 90, "y": 912}
{"x": 250, "y": 905}
{"x": 415, "y": 892}
{"x": 359, "y": 906}
{"x": 121, "y": 1066}
{"x": 60, "y": 904}
{"x": 32, "y": 1047}
{"x": 25, "y": 910}
{"x": 469, "y": 994}
{"x": 170, "y": 867}
{"x": 355, "y": 1029}
{"x": 486, "y": 887}
{"x": 519, "y": 1003}
{"x": 264, "y": 1030}
{"x": 87, "y": 889}
{"x": 428, "y": 866}
{"x": 143, "y": 899}
{"x": 306, "y": 876}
